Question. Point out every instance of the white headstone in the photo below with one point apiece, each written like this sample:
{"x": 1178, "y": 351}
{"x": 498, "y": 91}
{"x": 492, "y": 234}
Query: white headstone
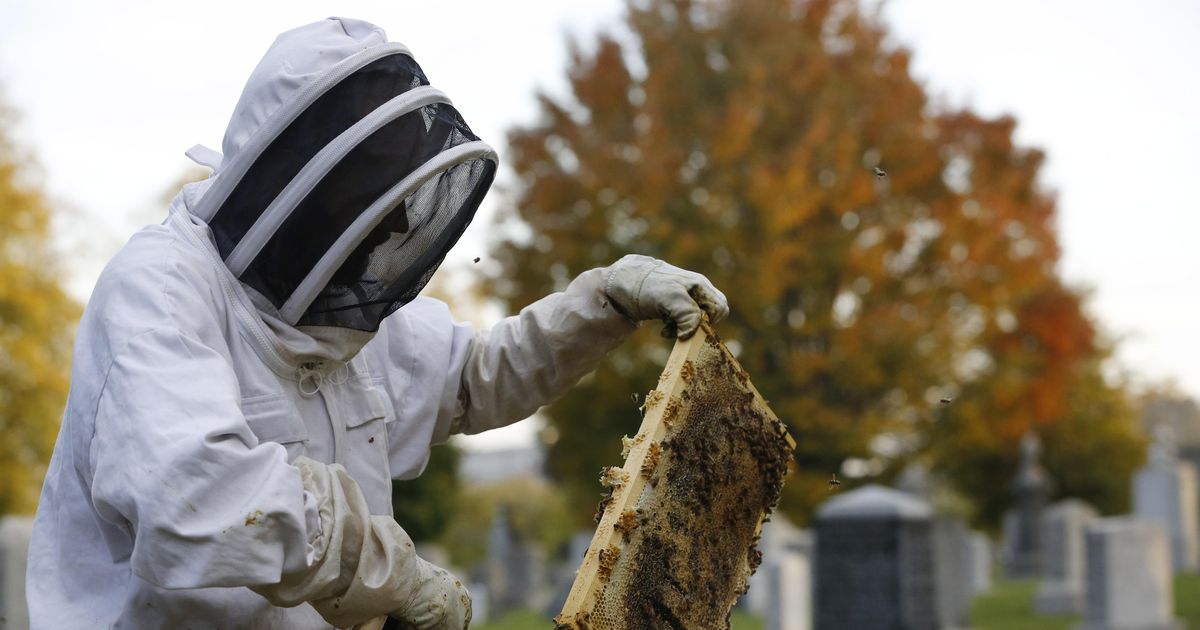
{"x": 14, "y": 551}
{"x": 950, "y": 571}
{"x": 1165, "y": 492}
{"x": 515, "y": 568}
{"x": 779, "y": 541}
{"x": 781, "y": 589}
{"x": 1063, "y": 558}
{"x": 1128, "y": 576}
{"x": 979, "y": 563}
{"x": 789, "y": 605}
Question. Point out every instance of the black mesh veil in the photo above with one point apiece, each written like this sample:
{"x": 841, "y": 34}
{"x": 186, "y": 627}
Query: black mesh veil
{"x": 391, "y": 266}
{"x": 415, "y": 183}
{"x": 329, "y": 115}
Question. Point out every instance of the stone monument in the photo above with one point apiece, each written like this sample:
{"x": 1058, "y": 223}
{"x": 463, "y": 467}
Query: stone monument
{"x": 1128, "y": 576}
{"x": 874, "y": 562}
{"x": 1063, "y": 561}
{"x": 14, "y": 549}
{"x": 950, "y": 571}
{"x": 979, "y": 563}
{"x": 1164, "y": 491}
{"x": 515, "y": 567}
{"x": 781, "y": 590}
{"x": 1023, "y": 524}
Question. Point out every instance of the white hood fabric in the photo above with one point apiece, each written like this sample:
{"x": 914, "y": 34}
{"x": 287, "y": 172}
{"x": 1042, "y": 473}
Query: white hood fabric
{"x": 172, "y": 501}
{"x": 347, "y": 177}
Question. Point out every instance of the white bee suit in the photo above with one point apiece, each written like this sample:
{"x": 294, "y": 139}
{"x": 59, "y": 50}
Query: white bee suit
{"x": 206, "y": 370}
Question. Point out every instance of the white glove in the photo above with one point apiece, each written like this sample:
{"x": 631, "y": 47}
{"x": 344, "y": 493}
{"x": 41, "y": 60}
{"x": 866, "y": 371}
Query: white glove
{"x": 642, "y": 288}
{"x": 439, "y": 601}
{"x": 364, "y": 566}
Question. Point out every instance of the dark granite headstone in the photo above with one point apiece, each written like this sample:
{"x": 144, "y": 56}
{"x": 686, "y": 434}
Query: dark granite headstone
{"x": 1023, "y": 526}
{"x": 874, "y": 562}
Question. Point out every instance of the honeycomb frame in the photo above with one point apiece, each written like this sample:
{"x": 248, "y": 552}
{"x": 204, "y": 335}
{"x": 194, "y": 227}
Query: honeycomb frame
{"x": 703, "y": 396}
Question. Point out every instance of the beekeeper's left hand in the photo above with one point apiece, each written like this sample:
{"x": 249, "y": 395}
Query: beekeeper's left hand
{"x": 642, "y": 288}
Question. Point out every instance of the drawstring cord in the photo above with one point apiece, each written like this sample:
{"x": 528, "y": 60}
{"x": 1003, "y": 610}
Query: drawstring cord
{"x": 316, "y": 373}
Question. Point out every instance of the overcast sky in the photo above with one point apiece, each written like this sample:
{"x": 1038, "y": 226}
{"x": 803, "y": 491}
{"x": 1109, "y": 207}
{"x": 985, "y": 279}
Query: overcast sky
{"x": 110, "y": 95}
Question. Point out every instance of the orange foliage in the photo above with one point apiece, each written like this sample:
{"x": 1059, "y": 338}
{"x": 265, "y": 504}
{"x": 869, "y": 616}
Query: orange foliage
{"x": 743, "y": 144}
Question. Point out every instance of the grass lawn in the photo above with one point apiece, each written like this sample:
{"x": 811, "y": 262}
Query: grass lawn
{"x": 526, "y": 620}
{"x": 1187, "y": 599}
{"x": 1009, "y": 606}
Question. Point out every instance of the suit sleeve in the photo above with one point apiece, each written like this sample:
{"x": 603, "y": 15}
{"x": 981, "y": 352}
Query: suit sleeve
{"x": 530, "y": 359}
{"x": 175, "y": 463}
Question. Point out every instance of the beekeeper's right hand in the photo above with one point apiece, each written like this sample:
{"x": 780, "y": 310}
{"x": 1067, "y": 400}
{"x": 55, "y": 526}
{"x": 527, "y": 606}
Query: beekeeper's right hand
{"x": 439, "y": 600}
{"x": 361, "y": 566}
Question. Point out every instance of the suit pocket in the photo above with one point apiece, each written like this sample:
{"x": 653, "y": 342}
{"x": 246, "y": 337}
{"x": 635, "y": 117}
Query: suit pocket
{"x": 275, "y": 419}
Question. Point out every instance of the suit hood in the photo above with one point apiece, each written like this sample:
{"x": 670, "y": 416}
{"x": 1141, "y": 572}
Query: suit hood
{"x": 346, "y": 177}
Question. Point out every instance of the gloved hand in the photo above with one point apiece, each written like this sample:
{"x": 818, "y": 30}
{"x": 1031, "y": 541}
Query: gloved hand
{"x": 439, "y": 601}
{"x": 642, "y": 288}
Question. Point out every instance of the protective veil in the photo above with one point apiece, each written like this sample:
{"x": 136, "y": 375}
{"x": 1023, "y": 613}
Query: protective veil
{"x": 250, "y": 376}
{"x": 357, "y": 179}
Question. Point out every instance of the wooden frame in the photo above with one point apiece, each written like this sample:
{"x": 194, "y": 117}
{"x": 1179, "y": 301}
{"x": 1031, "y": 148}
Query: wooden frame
{"x": 661, "y": 407}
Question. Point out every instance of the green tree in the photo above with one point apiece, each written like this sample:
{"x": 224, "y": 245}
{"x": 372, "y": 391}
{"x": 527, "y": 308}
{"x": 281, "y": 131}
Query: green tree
{"x": 427, "y": 505}
{"x": 37, "y": 322}
{"x": 537, "y": 511}
{"x": 880, "y": 254}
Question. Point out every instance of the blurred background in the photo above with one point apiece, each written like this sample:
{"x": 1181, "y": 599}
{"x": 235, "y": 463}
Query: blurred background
{"x": 956, "y": 238}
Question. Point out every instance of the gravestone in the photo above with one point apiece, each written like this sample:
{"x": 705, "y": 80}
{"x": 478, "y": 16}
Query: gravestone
{"x": 778, "y": 539}
{"x": 781, "y": 590}
{"x": 14, "y": 551}
{"x": 564, "y": 573}
{"x": 515, "y": 570}
{"x": 979, "y": 563}
{"x": 953, "y": 584}
{"x": 1182, "y": 415}
{"x": 874, "y": 562}
{"x": 1023, "y": 524}
{"x": 1128, "y": 576}
{"x": 1164, "y": 491}
{"x": 1063, "y": 558}
{"x": 789, "y": 593}
{"x": 914, "y": 479}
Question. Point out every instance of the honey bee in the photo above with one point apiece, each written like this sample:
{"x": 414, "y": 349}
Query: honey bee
{"x": 880, "y": 173}
{"x": 833, "y": 481}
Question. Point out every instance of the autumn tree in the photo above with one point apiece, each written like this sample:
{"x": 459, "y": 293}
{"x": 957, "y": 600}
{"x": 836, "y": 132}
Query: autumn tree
{"x": 881, "y": 255}
{"x": 37, "y": 322}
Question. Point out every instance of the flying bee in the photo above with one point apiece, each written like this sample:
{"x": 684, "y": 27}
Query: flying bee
{"x": 880, "y": 173}
{"x": 947, "y": 401}
{"x": 476, "y": 259}
{"x": 833, "y": 481}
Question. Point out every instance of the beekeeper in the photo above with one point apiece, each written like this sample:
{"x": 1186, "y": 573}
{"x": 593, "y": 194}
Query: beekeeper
{"x": 250, "y": 376}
